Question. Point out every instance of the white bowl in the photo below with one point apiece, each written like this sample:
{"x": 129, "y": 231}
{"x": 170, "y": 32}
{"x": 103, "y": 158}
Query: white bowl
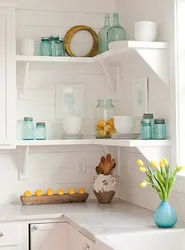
{"x": 124, "y": 124}
{"x": 145, "y": 31}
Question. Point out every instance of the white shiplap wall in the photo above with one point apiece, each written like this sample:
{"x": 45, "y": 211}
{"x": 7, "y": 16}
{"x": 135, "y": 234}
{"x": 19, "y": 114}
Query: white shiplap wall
{"x": 55, "y": 167}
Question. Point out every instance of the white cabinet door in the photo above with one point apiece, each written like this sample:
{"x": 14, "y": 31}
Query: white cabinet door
{"x": 48, "y": 236}
{"x": 7, "y": 79}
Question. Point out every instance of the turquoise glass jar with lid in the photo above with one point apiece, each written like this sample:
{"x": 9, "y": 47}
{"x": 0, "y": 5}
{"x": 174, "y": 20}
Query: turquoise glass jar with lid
{"x": 62, "y": 50}
{"x": 105, "y": 112}
{"x": 103, "y": 35}
{"x": 151, "y": 117}
{"x": 116, "y": 32}
{"x": 159, "y": 129}
{"x": 55, "y": 46}
{"x": 40, "y": 131}
{"x": 146, "y": 129}
{"x": 45, "y": 47}
{"x": 28, "y": 129}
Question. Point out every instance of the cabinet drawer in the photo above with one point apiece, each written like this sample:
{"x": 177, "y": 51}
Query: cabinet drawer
{"x": 10, "y": 234}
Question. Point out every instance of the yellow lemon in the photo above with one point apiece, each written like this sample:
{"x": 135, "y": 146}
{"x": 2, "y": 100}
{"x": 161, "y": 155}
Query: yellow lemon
{"x": 108, "y": 128}
{"x": 81, "y": 191}
{"x": 143, "y": 170}
{"x": 71, "y": 191}
{"x": 102, "y": 133}
{"x": 111, "y": 122}
{"x": 60, "y": 192}
{"x": 153, "y": 164}
{"x": 101, "y": 123}
{"x": 164, "y": 160}
{"x": 181, "y": 168}
{"x": 143, "y": 184}
{"x": 140, "y": 163}
{"x": 38, "y": 193}
{"x": 161, "y": 164}
{"x": 98, "y": 128}
{"x": 27, "y": 193}
{"x": 49, "y": 192}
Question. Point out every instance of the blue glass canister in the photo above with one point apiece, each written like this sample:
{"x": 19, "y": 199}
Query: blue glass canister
{"x": 159, "y": 129}
{"x": 62, "y": 50}
{"x": 55, "y": 46}
{"x": 146, "y": 129}
{"x": 45, "y": 47}
{"x": 151, "y": 117}
{"x": 40, "y": 131}
{"x": 28, "y": 129}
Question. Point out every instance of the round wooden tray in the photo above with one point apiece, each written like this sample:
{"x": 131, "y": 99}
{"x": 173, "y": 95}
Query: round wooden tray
{"x": 55, "y": 199}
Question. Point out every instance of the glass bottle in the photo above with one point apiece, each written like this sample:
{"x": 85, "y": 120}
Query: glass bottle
{"x": 105, "y": 112}
{"x": 55, "y": 46}
{"x": 146, "y": 129}
{"x": 45, "y": 47}
{"x": 28, "y": 129}
{"x": 103, "y": 35}
{"x": 40, "y": 131}
{"x": 116, "y": 32}
{"x": 159, "y": 129}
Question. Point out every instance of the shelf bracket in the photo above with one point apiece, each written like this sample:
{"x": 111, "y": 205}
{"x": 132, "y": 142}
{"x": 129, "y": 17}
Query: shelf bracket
{"x": 24, "y": 151}
{"x": 113, "y": 75}
{"x": 22, "y": 81}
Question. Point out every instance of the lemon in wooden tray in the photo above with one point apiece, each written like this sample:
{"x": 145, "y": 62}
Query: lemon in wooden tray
{"x": 38, "y": 193}
{"x": 60, "y": 192}
{"x": 27, "y": 193}
{"x": 49, "y": 192}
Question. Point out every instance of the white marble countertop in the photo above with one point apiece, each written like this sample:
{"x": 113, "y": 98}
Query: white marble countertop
{"x": 92, "y": 219}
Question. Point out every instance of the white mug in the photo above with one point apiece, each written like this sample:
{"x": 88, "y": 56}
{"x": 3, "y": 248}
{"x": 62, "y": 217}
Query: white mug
{"x": 27, "y": 47}
{"x": 145, "y": 31}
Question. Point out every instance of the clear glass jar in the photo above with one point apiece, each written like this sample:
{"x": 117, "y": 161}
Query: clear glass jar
{"x": 62, "y": 50}
{"x": 45, "y": 47}
{"x": 55, "y": 46}
{"x": 40, "y": 131}
{"x": 28, "y": 129}
{"x": 159, "y": 129}
{"x": 151, "y": 117}
{"x": 105, "y": 112}
{"x": 102, "y": 35}
{"x": 116, "y": 32}
{"x": 146, "y": 129}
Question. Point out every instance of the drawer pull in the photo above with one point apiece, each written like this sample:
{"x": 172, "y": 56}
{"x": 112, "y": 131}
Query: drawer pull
{"x": 34, "y": 228}
{"x": 1, "y": 234}
{"x": 85, "y": 247}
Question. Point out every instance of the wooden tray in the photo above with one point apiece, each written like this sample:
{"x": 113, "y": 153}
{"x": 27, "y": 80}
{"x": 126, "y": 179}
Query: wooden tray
{"x": 55, "y": 199}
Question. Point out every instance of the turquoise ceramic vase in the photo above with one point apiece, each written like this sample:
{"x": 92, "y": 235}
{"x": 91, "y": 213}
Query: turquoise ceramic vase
{"x": 165, "y": 216}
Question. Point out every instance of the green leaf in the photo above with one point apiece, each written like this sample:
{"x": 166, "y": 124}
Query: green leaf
{"x": 170, "y": 185}
{"x": 159, "y": 177}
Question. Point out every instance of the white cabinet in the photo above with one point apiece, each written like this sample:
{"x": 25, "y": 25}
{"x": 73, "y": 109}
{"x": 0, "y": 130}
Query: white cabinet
{"x": 7, "y": 77}
{"x": 47, "y": 236}
{"x": 78, "y": 241}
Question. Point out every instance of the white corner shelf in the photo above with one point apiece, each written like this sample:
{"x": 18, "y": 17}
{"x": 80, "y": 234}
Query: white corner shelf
{"x": 154, "y": 54}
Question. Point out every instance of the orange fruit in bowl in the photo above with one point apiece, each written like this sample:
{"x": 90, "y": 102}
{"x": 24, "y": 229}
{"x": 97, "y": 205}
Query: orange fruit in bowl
{"x": 27, "y": 193}
{"x": 49, "y": 192}
{"x": 81, "y": 191}
{"x": 60, "y": 192}
{"x": 38, "y": 193}
{"x": 71, "y": 191}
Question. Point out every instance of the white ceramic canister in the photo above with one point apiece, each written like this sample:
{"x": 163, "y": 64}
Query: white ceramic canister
{"x": 104, "y": 183}
{"x": 145, "y": 31}
{"x": 27, "y": 47}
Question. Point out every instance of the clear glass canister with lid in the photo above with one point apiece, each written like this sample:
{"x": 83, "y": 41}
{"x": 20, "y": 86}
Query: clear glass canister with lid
{"x": 146, "y": 129}
{"x": 105, "y": 112}
{"x": 40, "y": 131}
{"x": 28, "y": 129}
{"x": 45, "y": 47}
{"x": 55, "y": 46}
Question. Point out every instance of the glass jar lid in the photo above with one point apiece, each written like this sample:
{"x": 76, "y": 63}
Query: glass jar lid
{"x": 105, "y": 102}
{"x": 159, "y": 121}
{"x": 146, "y": 121}
{"x": 28, "y": 119}
{"x": 40, "y": 124}
{"x": 55, "y": 37}
{"x": 148, "y": 116}
{"x": 45, "y": 38}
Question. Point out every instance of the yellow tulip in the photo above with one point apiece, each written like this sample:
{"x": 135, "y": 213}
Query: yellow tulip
{"x": 181, "y": 168}
{"x": 162, "y": 165}
{"x": 164, "y": 160}
{"x": 140, "y": 163}
{"x": 143, "y": 184}
{"x": 153, "y": 164}
{"x": 142, "y": 169}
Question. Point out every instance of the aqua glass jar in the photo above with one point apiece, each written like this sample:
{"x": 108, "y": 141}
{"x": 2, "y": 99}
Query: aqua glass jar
{"x": 116, "y": 32}
{"x": 159, "y": 129}
{"x": 62, "y": 50}
{"x": 45, "y": 47}
{"x": 151, "y": 117}
{"x": 146, "y": 129}
{"x": 55, "y": 46}
{"x": 103, "y": 35}
{"x": 104, "y": 115}
{"x": 28, "y": 129}
{"x": 40, "y": 131}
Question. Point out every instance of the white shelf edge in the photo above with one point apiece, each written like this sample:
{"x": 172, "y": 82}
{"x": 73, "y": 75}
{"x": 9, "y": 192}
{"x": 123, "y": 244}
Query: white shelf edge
{"x": 102, "y": 142}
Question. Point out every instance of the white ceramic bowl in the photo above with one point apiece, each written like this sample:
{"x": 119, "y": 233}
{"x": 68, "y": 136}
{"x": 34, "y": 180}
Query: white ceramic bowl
{"x": 145, "y": 31}
{"x": 124, "y": 124}
{"x": 72, "y": 124}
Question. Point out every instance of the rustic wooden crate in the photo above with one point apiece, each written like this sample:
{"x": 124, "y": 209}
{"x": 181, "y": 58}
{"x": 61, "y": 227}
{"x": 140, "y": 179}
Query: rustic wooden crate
{"x": 55, "y": 199}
